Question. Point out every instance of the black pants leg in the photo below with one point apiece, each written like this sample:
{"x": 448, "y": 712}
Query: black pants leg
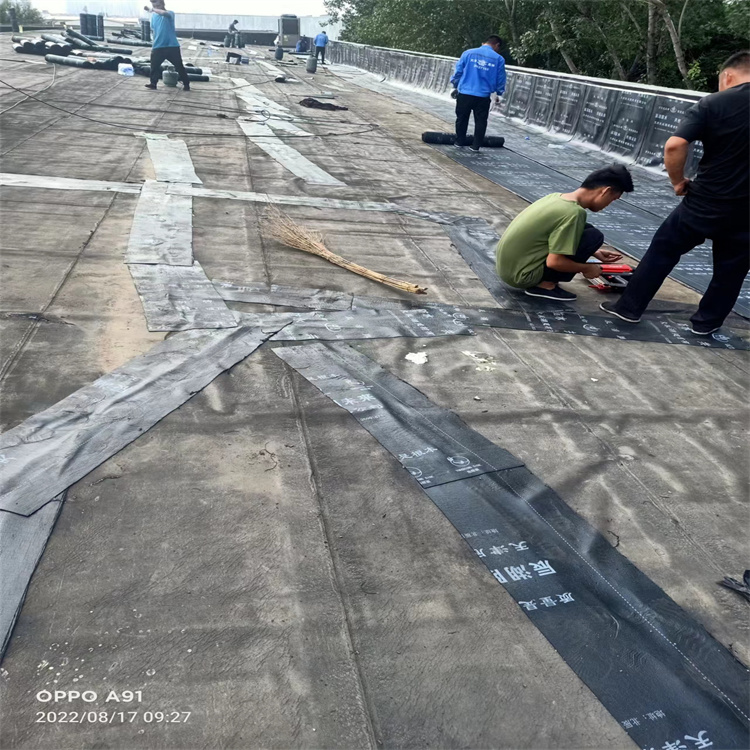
{"x": 481, "y": 113}
{"x": 157, "y": 58}
{"x": 676, "y": 236}
{"x": 731, "y": 257}
{"x": 320, "y": 52}
{"x": 591, "y": 240}
{"x": 174, "y": 55}
{"x": 463, "y": 112}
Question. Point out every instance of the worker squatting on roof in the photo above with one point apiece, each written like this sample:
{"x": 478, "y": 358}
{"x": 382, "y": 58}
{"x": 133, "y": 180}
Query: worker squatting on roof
{"x": 550, "y": 241}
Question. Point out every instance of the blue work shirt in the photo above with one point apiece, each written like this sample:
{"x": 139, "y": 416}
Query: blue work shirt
{"x": 321, "y": 40}
{"x": 480, "y": 72}
{"x": 162, "y": 30}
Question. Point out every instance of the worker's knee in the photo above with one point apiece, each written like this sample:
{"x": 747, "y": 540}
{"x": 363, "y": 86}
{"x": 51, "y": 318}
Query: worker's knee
{"x": 593, "y": 237}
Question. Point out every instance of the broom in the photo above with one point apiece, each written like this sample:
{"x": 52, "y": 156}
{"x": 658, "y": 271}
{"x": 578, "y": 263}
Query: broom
{"x": 286, "y": 231}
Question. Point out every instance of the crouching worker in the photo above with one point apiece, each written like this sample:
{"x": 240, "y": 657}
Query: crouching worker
{"x": 550, "y": 241}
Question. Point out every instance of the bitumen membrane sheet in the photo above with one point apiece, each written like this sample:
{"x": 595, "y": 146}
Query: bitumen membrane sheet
{"x": 533, "y": 164}
{"x": 262, "y": 567}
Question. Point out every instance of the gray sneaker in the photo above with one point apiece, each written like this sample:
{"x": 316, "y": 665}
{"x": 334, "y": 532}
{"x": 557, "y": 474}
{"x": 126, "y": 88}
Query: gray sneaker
{"x": 609, "y": 307}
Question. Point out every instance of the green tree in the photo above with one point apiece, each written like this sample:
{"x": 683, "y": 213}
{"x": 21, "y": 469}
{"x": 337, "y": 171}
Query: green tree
{"x": 25, "y": 13}
{"x": 678, "y": 43}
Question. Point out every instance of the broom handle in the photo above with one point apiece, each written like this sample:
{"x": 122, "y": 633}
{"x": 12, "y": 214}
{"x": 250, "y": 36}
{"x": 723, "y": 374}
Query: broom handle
{"x": 366, "y": 272}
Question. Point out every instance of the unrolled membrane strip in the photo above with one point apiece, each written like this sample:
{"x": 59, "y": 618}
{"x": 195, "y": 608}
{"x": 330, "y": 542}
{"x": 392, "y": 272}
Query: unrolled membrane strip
{"x": 175, "y": 188}
{"x": 658, "y": 330}
{"x": 22, "y": 543}
{"x": 253, "y": 97}
{"x": 555, "y": 319}
{"x": 44, "y": 182}
{"x": 626, "y": 227}
{"x": 286, "y": 296}
{"x": 476, "y": 241}
{"x": 406, "y": 424}
{"x": 50, "y": 451}
{"x": 656, "y": 670}
{"x": 363, "y": 324}
{"x": 171, "y": 159}
{"x": 176, "y": 298}
{"x": 289, "y": 158}
{"x": 439, "y": 217}
{"x": 162, "y": 229}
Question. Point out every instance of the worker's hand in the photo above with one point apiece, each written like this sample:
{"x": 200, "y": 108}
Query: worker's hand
{"x": 681, "y": 187}
{"x": 454, "y": 94}
{"x": 607, "y": 256}
{"x": 592, "y": 271}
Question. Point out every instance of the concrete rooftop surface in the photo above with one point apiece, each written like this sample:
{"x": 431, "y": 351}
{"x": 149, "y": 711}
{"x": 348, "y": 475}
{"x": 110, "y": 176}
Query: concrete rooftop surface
{"x": 257, "y": 558}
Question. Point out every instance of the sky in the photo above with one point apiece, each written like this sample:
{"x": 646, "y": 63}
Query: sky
{"x": 229, "y": 7}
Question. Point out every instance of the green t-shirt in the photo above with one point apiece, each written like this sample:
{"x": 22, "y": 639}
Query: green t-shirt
{"x": 550, "y": 225}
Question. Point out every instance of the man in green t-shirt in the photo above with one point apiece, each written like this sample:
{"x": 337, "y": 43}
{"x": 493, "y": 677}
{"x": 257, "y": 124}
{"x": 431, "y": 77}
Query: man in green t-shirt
{"x": 550, "y": 241}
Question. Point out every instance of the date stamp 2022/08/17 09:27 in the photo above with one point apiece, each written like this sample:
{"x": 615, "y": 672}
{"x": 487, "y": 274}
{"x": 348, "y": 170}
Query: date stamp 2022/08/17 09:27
{"x": 112, "y": 707}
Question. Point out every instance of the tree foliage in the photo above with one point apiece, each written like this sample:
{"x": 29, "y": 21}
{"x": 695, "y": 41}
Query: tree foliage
{"x": 25, "y": 13}
{"x": 679, "y": 43}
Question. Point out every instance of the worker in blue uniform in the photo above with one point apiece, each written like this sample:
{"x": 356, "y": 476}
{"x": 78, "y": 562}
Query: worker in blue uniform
{"x": 165, "y": 45}
{"x": 479, "y": 74}
{"x": 321, "y": 40}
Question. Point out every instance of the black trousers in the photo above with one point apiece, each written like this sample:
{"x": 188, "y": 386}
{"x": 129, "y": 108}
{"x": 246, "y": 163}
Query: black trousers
{"x": 591, "y": 240}
{"x": 681, "y": 231}
{"x": 173, "y": 54}
{"x": 465, "y": 105}
{"x": 320, "y": 52}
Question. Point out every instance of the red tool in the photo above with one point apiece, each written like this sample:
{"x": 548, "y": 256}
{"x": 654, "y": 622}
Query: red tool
{"x": 615, "y": 277}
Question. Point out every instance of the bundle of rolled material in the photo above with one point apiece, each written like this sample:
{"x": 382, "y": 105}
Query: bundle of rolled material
{"x": 40, "y": 46}
{"x": 131, "y": 42}
{"x": 448, "y": 139}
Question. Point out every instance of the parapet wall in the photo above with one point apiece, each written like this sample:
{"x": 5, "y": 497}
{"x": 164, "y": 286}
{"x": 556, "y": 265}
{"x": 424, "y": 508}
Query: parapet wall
{"x": 631, "y": 121}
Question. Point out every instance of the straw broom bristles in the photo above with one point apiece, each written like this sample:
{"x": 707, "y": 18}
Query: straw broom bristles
{"x": 286, "y": 231}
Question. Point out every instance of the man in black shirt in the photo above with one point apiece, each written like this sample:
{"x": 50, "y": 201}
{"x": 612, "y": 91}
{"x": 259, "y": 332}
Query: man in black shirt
{"x": 715, "y": 204}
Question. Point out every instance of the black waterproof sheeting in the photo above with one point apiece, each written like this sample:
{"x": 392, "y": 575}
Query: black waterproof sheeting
{"x": 375, "y": 324}
{"x": 285, "y": 296}
{"x": 619, "y": 123}
{"x": 51, "y": 450}
{"x": 177, "y": 298}
{"x": 627, "y": 227}
{"x": 22, "y": 543}
{"x": 655, "y": 330}
{"x": 476, "y": 241}
{"x": 657, "y": 671}
{"x": 522, "y": 313}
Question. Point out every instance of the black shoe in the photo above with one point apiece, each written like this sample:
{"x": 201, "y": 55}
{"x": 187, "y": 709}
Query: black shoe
{"x": 456, "y": 144}
{"x": 698, "y": 331}
{"x": 151, "y": 86}
{"x": 186, "y": 87}
{"x": 475, "y": 149}
{"x": 609, "y": 307}
{"x": 556, "y": 294}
